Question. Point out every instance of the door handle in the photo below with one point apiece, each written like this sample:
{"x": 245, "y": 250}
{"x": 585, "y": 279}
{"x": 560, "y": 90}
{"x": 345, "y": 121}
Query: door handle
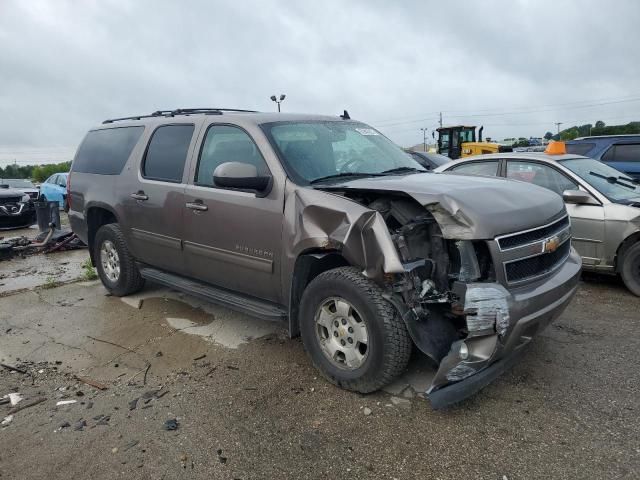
{"x": 139, "y": 195}
{"x": 197, "y": 205}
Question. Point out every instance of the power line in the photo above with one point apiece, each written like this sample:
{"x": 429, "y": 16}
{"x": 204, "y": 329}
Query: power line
{"x": 514, "y": 111}
{"x": 529, "y": 124}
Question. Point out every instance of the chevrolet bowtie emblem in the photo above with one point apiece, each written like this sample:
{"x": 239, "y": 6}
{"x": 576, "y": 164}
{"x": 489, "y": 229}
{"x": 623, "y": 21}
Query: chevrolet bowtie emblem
{"x": 551, "y": 244}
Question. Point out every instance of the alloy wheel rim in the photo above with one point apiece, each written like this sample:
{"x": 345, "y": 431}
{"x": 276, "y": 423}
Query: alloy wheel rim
{"x": 110, "y": 260}
{"x": 342, "y": 333}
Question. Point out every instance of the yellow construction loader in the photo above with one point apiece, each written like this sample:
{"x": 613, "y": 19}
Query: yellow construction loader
{"x": 460, "y": 141}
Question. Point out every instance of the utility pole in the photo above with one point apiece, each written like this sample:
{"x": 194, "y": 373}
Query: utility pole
{"x": 558, "y": 126}
{"x": 424, "y": 138}
{"x": 440, "y": 119}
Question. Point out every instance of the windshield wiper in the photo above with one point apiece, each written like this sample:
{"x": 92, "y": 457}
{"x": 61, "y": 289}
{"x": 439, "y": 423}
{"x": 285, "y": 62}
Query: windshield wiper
{"x": 404, "y": 169}
{"x": 344, "y": 174}
{"x": 612, "y": 179}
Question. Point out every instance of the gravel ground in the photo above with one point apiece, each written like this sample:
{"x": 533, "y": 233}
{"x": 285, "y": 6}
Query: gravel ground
{"x": 568, "y": 410}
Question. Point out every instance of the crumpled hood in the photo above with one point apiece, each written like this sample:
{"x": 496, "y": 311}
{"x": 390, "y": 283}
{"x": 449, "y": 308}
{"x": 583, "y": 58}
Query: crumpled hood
{"x": 470, "y": 207}
{"x": 10, "y": 192}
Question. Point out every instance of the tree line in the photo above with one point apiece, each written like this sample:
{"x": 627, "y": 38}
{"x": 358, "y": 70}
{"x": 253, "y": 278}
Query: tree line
{"x": 590, "y": 130}
{"x": 37, "y": 173}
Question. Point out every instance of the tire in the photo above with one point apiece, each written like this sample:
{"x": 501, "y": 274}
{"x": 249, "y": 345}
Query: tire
{"x": 387, "y": 348}
{"x": 116, "y": 267}
{"x": 630, "y": 270}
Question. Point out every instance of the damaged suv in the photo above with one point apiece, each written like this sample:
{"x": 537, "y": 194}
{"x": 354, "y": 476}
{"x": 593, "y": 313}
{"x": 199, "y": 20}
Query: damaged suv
{"x": 324, "y": 223}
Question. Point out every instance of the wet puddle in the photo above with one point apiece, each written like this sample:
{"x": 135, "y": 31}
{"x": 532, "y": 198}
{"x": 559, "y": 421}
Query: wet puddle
{"x": 41, "y": 270}
{"x": 195, "y": 317}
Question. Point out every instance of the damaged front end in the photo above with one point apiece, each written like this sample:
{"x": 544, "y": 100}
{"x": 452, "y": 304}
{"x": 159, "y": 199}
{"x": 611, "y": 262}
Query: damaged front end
{"x": 455, "y": 311}
{"x": 448, "y": 275}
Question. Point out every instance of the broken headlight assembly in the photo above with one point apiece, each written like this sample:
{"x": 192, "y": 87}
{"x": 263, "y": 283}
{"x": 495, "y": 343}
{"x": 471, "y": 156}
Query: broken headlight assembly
{"x": 470, "y": 261}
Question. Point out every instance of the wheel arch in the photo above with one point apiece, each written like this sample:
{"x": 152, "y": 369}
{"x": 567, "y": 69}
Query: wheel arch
{"x": 97, "y": 215}
{"x": 309, "y": 265}
{"x": 624, "y": 246}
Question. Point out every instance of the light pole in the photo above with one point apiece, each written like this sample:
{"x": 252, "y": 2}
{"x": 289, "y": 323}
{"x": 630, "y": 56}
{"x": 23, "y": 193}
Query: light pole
{"x": 278, "y": 100}
{"x": 424, "y": 138}
{"x": 558, "y": 125}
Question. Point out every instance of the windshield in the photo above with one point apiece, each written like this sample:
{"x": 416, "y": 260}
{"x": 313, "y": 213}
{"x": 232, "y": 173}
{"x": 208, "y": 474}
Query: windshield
{"x": 612, "y": 183}
{"x": 312, "y": 151}
{"x": 466, "y": 135}
{"x": 17, "y": 183}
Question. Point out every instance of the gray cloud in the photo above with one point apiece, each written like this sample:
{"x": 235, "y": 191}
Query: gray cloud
{"x": 67, "y": 65}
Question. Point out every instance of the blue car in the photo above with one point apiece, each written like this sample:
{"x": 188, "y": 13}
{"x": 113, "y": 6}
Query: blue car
{"x": 622, "y": 152}
{"x": 54, "y": 189}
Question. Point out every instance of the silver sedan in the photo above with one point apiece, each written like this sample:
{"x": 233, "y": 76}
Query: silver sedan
{"x": 603, "y": 203}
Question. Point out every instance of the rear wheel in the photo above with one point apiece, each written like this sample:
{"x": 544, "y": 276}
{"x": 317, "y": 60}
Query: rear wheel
{"x": 630, "y": 271}
{"x": 116, "y": 267}
{"x": 353, "y": 335}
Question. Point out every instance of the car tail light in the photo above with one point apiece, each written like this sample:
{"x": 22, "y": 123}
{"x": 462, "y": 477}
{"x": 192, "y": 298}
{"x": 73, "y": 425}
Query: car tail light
{"x": 69, "y": 190}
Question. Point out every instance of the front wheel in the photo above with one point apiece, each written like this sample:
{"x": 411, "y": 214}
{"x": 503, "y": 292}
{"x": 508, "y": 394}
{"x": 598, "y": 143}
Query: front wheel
{"x": 116, "y": 266}
{"x": 353, "y": 335}
{"x": 630, "y": 271}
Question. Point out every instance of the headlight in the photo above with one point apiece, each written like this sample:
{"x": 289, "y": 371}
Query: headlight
{"x": 469, "y": 268}
{"x": 25, "y": 198}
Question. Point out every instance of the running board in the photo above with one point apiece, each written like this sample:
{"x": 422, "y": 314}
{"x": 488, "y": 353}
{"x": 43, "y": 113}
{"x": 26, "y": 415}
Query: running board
{"x": 226, "y": 298}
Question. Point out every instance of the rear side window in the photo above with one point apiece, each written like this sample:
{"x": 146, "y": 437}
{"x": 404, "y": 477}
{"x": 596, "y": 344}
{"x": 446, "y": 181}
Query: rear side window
{"x": 106, "y": 151}
{"x": 489, "y": 168}
{"x": 539, "y": 174}
{"x": 579, "y": 148}
{"x": 167, "y": 153}
{"x": 623, "y": 153}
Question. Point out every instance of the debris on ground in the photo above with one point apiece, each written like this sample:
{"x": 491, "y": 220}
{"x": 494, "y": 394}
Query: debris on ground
{"x": 130, "y": 445}
{"x": 102, "y": 419}
{"x": 401, "y": 402}
{"x": 65, "y": 402}
{"x": 367, "y": 411}
{"x": 79, "y": 425}
{"x": 93, "y": 383}
{"x": 52, "y": 241}
{"x": 14, "y": 398}
{"x": 171, "y": 424}
{"x": 13, "y": 369}
{"x": 27, "y": 404}
{"x": 7, "y": 420}
{"x": 133, "y": 404}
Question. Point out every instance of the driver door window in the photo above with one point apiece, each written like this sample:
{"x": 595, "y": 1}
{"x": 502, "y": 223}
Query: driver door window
{"x": 539, "y": 174}
{"x": 224, "y": 144}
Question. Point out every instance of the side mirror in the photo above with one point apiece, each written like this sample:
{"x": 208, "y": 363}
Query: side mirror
{"x": 579, "y": 197}
{"x": 243, "y": 176}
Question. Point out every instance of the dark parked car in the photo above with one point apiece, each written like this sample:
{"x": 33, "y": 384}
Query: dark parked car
{"x": 429, "y": 160}
{"x": 22, "y": 184}
{"x": 621, "y": 152}
{"x": 16, "y": 208}
{"x": 324, "y": 223}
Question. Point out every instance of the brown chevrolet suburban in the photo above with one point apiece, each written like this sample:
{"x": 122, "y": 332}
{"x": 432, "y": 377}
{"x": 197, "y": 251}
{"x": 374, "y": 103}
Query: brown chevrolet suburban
{"x": 324, "y": 223}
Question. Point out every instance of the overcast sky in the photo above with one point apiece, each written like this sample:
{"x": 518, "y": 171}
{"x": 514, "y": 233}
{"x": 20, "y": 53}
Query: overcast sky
{"x": 515, "y": 67}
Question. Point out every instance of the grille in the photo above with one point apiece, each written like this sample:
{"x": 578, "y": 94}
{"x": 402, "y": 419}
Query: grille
{"x": 6, "y": 200}
{"x": 533, "y": 235}
{"x": 538, "y": 265}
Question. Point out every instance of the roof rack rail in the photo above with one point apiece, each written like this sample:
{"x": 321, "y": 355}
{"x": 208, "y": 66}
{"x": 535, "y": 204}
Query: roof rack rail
{"x": 181, "y": 111}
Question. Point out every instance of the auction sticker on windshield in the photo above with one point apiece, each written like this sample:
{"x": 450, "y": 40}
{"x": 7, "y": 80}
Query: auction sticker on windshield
{"x": 366, "y": 131}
